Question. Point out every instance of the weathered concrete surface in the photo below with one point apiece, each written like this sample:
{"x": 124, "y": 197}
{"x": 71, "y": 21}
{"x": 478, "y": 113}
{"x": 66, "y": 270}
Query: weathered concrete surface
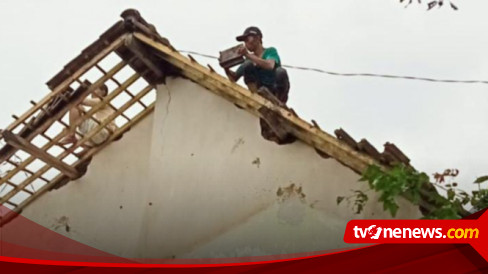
{"x": 196, "y": 179}
{"x": 103, "y": 208}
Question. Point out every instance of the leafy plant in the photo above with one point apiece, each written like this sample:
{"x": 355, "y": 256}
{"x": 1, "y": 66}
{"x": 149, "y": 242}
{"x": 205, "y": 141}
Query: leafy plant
{"x": 404, "y": 180}
{"x": 479, "y": 200}
{"x": 456, "y": 198}
{"x": 393, "y": 183}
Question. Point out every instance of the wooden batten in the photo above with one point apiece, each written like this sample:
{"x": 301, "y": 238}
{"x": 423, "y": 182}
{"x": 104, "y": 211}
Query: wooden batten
{"x": 92, "y": 111}
{"x": 315, "y": 124}
{"x": 25, "y": 170}
{"x": 119, "y": 84}
{"x": 210, "y": 68}
{"x": 114, "y": 115}
{"x": 62, "y": 98}
{"x": 82, "y": 161}
{"x": 85, "y": 157}
{"x": 63, "y": 81}
{"x": 24, "y": 145}
{"x": 192, "y": 59}
{"x": 80, "y": 94}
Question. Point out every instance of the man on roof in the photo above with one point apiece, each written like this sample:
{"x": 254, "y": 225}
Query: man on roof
{"x": 262, "y": 67}
{"x": 89, "y": 124}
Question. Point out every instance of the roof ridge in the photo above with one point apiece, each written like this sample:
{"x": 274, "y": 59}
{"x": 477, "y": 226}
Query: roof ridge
{"x": 389, "y": 157}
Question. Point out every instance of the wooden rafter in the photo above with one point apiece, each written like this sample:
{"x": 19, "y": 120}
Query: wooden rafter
{"x": 7, "y": 153}
{"x": 237, "y": 94}
{"x": 44, "y": 169}
{"x": 136, "y": 119}
{"x": 67, "y": 82}
{"x": 21, "y": 143}
{"x": 90, "y": 113}
{"x": 26, "y": 170}
{"x": 56, "y": 104}
{"x": 143, "y": 54}
{"x": 119, "y": 84}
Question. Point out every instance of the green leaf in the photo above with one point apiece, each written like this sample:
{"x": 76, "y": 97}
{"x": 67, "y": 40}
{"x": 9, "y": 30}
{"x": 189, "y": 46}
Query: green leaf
{"x": 450, "y": 194}
{"x": 474, "y": 201}
{"x": 423, "y": 178}
{"x": 392, "y": 207}
{"x": 339, "y": 199}
{"x": 481, "y": 179}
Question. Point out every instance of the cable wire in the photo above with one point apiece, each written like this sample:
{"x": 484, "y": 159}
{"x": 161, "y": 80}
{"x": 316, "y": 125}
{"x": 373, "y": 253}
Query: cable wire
{"x": 362, "y": 74}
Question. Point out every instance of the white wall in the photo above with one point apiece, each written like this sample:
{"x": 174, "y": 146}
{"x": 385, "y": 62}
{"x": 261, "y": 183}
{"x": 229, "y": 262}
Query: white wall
{"x": 91, "y": 205}
{"x": 196, "y": 179}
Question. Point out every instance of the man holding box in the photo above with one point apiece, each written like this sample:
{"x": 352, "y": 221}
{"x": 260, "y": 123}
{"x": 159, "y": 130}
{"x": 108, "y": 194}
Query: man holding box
{"x": 262, "y": 67}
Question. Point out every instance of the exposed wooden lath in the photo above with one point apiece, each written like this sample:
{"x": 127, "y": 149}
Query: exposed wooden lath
{"x": 20, "y": 143}
{"x": 68, "y": 89}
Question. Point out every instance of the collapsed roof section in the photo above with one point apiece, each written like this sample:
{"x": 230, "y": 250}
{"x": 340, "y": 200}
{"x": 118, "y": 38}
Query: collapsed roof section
{"x": 130, "y": 56}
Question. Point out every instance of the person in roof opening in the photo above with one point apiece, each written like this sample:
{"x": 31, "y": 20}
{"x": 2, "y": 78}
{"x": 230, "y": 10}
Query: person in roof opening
{"x": 262, "y": 67}
{"x": 89, "y": 124}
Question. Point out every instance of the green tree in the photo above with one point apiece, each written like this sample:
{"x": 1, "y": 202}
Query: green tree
{"x": 405, "y": 181}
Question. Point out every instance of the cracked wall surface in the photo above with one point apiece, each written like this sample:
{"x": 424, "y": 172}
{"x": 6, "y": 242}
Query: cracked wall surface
{"x": 196, "y": 179}
{"x": 217, "y": 182}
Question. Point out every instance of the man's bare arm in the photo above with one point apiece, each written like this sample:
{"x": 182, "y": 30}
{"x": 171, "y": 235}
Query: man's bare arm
{"x": 91, "y": 102}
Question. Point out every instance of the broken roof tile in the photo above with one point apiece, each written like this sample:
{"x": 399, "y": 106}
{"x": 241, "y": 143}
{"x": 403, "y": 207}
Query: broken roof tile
{"x": 396, "y": 153}
{"x": 346, "y": 138}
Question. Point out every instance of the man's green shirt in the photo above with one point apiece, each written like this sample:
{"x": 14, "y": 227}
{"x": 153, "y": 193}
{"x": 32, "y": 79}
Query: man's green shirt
{"x": 266, "y": 77}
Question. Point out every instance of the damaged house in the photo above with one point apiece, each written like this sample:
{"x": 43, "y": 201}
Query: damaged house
{"x": 186, "y": 173}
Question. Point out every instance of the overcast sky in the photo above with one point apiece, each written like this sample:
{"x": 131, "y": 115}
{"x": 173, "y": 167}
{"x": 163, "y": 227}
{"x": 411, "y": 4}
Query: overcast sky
{"x": 437, "y": 125}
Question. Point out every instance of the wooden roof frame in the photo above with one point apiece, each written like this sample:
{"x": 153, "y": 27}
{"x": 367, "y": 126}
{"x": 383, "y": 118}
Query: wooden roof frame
{"x": 153, "y": 58}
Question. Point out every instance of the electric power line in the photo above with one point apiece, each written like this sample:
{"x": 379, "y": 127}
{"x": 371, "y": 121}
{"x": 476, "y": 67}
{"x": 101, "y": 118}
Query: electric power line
{"x": 362, "y": 74}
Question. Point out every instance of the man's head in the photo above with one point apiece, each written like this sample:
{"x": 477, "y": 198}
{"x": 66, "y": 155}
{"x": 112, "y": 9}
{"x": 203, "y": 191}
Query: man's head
{"x": 101, "y": 91}
{"x": 252, "y": 38}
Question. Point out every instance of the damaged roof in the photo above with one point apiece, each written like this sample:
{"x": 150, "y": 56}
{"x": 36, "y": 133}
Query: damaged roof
{"x": 32, "y": 162}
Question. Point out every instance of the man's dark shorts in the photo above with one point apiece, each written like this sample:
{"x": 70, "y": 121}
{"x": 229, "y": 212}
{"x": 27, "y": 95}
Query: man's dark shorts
{"x": 276, "y": 81}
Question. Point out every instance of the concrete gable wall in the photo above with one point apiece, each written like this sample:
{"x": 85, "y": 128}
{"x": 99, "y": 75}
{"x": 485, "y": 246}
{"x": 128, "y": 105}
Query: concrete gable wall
{"x": 220, "y": 187}
{"x": 196, "y": 179}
